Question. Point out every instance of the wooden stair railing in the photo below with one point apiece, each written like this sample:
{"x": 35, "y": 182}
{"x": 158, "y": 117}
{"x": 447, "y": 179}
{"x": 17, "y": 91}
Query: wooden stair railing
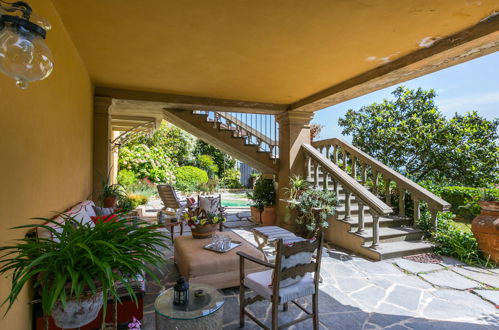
{"x": 316, "y": 163}
{"x": 261, "y": 130}
{"x": 336, "y": 149}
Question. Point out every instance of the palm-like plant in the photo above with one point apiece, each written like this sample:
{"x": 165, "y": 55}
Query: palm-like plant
{"x": 81, "y": 259}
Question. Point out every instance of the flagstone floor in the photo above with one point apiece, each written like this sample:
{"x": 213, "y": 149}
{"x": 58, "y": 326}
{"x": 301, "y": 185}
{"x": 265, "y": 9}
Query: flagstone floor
{"x": 360, "y": 294}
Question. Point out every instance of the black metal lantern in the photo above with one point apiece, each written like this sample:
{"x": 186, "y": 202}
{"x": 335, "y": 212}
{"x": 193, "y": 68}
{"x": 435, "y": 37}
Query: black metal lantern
{"x": 181, "y": 292}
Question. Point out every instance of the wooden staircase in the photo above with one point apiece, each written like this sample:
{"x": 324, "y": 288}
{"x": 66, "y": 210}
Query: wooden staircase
{"x": 230, "y": 135}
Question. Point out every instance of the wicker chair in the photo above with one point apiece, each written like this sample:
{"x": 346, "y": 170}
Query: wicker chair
{"x": 288, "y": 279}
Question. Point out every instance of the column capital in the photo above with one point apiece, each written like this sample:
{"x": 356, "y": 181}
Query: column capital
{"x": 102, "y": 104}
{"x": 293, "y": 118}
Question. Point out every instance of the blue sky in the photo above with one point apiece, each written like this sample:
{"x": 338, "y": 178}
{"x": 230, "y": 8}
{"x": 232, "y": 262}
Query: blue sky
{"x": 472, "y": 85}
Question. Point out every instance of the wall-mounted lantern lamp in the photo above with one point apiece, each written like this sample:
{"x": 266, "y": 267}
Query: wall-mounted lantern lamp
{"x": 24, "y": 56}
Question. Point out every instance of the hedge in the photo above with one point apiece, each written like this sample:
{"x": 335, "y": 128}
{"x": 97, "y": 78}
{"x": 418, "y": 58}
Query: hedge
{"x": 188, "y": 178}
{"x": 464, "y": 200}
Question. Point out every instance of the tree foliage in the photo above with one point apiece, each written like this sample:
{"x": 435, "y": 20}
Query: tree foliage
{"x": 223, "y": 161}
{"x": 175, "y": 143}
{"x": 412, "y": 136}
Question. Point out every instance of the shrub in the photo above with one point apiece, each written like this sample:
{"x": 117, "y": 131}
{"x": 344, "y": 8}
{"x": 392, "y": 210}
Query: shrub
{"x": 450, "y": 240}
{"x": 188, "y": 178}
{"x": 147, "y": 162}
{"x": 126, "y": 178}
{"x": 231, "y": 179}
{"x": 136, "y": 200}
{"x": 464, "y": 200}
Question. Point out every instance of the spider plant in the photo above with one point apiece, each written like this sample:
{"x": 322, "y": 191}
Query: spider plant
{"x": 81, "y": 259}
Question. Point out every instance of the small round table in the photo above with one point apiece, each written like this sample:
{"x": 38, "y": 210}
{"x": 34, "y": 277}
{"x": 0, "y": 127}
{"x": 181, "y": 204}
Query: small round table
{"x": 203, "y": 313}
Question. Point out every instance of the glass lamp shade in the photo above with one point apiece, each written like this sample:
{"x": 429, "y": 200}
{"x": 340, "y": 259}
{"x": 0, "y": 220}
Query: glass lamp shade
{"x": 24, "y": 55}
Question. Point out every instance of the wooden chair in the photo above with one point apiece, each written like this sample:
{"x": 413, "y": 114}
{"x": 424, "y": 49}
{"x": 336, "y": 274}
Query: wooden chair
{"x": 173, "y": 208}
{"x": 288, "y": 279}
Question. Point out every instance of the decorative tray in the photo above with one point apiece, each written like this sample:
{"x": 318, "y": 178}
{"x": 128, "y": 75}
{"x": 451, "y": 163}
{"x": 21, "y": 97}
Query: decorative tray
{"x": 233, "y": 245}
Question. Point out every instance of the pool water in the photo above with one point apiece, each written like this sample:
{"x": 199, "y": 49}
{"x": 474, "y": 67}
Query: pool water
{"x": 234, "y": 202}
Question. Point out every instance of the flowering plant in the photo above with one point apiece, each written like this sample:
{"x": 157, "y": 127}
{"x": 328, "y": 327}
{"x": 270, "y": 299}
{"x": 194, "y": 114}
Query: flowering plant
{"x": 134, "y": 325}
{"x": 202, "y": 218}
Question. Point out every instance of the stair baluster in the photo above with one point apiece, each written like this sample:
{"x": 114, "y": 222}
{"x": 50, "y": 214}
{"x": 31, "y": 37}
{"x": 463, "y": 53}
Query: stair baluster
{"x": 388, "y": 196}
{"x": 402, "y": 202}
{"x": 417, "y": 210}
{"x": 348, "y": 205}
{"x": 360, "y": 229}
{"x": 375, "y": 231}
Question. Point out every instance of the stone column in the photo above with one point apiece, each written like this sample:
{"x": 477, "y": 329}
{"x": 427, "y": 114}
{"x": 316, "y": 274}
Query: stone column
{"x": 102, "y": 154}
{"x": 294, "y": 130}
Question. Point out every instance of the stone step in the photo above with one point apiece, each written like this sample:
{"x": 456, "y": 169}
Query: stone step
{"x": 389, "y": 221}
{"x": 390, "y": 250}
{"x": 392, "y": 234}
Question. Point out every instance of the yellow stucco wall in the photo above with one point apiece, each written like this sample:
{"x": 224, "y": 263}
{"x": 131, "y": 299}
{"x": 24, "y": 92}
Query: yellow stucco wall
{"x": 45, "y": 146}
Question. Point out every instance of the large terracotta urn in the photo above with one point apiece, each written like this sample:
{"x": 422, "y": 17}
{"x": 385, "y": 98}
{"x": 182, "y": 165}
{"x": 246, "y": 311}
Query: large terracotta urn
{"x": 485, "y": 227}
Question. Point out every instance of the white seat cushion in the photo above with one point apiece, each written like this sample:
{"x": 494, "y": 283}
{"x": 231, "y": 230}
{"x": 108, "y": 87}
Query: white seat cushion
{"x": 261, "y": 283}
{"x": 89, "y": 208}
{"x": 275, "y": 232}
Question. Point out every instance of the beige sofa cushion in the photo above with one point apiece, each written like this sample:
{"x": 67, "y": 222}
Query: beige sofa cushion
{"x": 217, "y": 269}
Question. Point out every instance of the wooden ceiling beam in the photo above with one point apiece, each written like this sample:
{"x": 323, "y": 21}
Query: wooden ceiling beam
{"x": 479, "y": 40}
{"x": 185, "y": 102}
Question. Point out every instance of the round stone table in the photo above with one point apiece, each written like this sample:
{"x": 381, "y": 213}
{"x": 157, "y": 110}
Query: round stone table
{"x": 203, "y": 313}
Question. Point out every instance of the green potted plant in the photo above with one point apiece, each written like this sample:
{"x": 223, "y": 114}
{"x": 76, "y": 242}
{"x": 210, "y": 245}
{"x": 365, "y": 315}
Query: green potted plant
{"x": 313, "y": 208}
{"x": 263, "y": 197}
{"x": 76, "y": 270}
{"x": 485, "y": 226}
{"x": 297, "y": 185}
{"x": 111, "y": 193}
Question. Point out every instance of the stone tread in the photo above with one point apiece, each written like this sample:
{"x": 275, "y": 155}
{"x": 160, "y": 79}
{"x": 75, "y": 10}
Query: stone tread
{"x": 386, "y": 232}
{"x": 389, "y": 250}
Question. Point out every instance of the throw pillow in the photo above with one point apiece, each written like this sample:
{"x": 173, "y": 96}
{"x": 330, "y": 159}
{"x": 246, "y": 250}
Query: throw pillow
{"x": 100, "y": 211}
{"x": 105, "y": 218}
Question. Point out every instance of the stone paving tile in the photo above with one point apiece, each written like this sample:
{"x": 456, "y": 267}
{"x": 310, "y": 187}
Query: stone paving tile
{"x": 490, "y": 279}
{"x": 369, "y": 297}
{"x": 449, "y": 279}
{"x": 422, "y": 324}
{"x": 446, "y": 310}
{"x": 386, "y": 308}
{"x": 450, "y": 262}
{"x": 344, "y": 321}
{"x": 490, "y": 295}
{"x": 405, "y": 297}
{"x": 465, "y": 298}
{"x": 416, "y": 267}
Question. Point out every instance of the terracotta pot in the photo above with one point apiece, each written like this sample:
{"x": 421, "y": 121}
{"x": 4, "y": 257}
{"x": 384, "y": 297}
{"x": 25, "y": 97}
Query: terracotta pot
{"x": 77, "y": 313}
{"x": 110, "y": 202}
{"x": 269, "y": 216}
{"x": 256, "y": 215}
{"x": 206, "y": 231}
{"x": 485, "y": 227}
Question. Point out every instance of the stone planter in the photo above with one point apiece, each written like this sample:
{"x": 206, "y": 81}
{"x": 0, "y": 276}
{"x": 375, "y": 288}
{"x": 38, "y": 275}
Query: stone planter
{"x": 206, "y": 231}
{"x": 256, "y": 215}
{"x": 269, "y": 216}
{"x": 77, "y": 313}
{"x": 485, "y": 227}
